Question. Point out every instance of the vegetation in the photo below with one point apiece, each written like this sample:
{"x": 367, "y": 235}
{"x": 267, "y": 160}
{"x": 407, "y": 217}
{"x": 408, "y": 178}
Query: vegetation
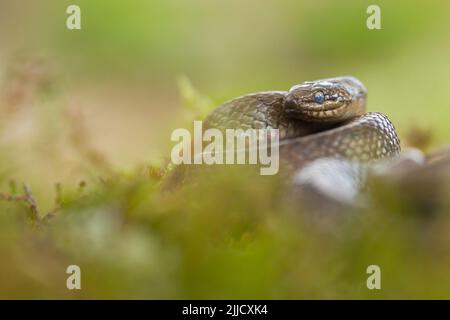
{"x": 84, "y": 123}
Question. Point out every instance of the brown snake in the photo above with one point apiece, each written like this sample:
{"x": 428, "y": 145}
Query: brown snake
{"x": 316, "y": 119}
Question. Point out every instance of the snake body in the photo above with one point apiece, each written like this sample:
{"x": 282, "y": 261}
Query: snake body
{"x": 316, "y": 119}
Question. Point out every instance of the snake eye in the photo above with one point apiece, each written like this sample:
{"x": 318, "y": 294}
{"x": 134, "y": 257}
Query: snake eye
{"x": 319, "y": 97}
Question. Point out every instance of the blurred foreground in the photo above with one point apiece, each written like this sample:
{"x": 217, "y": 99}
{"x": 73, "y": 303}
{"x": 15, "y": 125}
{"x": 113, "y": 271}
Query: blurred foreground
{"x": 230, "y": 235}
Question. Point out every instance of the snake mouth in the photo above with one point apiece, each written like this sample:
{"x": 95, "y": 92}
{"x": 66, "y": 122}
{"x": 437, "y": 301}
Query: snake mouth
{"x": 331, "y": 113}
{"x": 305, "y": 110}
{"x": 332, "y": 105}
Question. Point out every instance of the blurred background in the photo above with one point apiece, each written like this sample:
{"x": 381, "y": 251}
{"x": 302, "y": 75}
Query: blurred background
{"x": 74, "y": 104}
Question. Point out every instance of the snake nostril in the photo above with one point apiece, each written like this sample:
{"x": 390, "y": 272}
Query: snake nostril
{"x": 290, "y": 103}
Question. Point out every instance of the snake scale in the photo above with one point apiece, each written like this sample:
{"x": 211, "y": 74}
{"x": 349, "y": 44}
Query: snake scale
{"x": 316, "y": 119}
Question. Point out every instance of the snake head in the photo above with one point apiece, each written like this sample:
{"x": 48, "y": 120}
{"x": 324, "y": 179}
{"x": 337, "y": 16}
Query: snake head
{"x": 327, "y": 100}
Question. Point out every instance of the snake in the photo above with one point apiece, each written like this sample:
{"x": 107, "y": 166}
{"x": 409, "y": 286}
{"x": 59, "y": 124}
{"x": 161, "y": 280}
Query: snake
{"x": 324, "y": 118}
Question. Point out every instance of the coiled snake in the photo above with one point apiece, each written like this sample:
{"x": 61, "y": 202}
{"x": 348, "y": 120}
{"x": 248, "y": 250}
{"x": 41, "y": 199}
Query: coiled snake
{"x": 316, "y": 119}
